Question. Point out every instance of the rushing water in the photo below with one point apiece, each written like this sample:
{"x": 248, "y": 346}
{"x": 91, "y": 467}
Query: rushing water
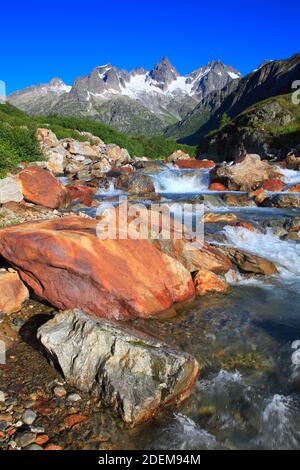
{"x": 248, "y": 395}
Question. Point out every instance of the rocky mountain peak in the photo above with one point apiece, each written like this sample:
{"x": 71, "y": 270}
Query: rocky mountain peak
{"x": 57, "y": 82}
{"x": 164, "y": 72}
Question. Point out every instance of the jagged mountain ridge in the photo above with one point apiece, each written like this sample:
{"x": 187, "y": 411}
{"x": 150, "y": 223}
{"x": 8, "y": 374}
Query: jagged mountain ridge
{"x": 139, "y": 101}
{"x": 271, "y": 79}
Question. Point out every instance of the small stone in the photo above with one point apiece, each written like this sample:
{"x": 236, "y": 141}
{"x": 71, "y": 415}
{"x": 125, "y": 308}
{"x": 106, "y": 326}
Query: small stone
{"x": 29, "y": 403}
{"x": 59, "y": 392}
{"x": 37, "y": 429}
{"x": 41, "y": 440}
{"x": 2, "y": 396}
{"x": 74, "y": 397}
{"x": 33, "y": 447}
{"x": 29, "y": 417}
{"x": 19, "y": 424}
{"x": 72, "y": 420}
{"x": 53, "y": 447}
{"x": 25, "y": 439}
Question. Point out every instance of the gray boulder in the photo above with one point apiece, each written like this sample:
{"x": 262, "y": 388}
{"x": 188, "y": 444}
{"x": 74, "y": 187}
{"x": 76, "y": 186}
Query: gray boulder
{"x": 130, "y": 372}
{"x": 10, "y": 191}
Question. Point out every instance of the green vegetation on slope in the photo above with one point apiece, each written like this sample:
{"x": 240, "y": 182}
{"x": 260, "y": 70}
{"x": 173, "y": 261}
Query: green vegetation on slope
{"x": 18, "y": 142}
{"x": 271, "y": 126}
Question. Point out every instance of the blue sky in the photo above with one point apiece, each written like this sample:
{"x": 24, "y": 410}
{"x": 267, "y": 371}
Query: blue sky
{"x": 41, "y": 40}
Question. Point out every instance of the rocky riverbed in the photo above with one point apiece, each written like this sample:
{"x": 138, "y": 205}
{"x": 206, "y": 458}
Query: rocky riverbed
{"x": 160, "y": 311}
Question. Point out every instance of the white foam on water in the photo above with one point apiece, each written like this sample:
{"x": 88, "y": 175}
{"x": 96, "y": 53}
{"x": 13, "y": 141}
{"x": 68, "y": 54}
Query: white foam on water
{"x": 110, "y": 191}
{"x": 290, "y": 176}
{"x": 235, "y": 278}
{"x": 280, "y": 423}
{"x": 285, "y": 254}
{"x": 181, "y": 181}
{"x": 190, "y": 435}
{"x": 220, "y": 381}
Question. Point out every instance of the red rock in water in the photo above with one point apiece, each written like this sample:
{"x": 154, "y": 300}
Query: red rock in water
{"x": 273, "y": 185}
{"x": 245, "y": 225}
{"x": 217, "y": 187}
{"x": 53, "y": 447}
{"x": 73, "y": 420}
{"x": 207, "y": 282}
{"x": 83, "y": 194}
{"x": 65, "y": 263}
{"x": 295, "y": 188}
{"x": 194, "y": 164}
{"x": 123, "y": 169}
{"x": 41, "y": 187}
{"x": 12, "y": 292}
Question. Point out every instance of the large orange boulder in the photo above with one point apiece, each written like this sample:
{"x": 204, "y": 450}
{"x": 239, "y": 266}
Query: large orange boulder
{"x": 66, "y": 264}
{"x": 12, "y": 292}
{"x": 41, "y": 187}
{"x": 194, "y": 164}
{"x": 207, "y": 282}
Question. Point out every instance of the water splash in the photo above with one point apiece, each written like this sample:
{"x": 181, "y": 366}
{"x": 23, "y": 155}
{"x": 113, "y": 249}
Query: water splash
{"x": 181, "y": 181}
{"x": 285, "y": 254}
{"x": 184, "y": 434}
{"x": 290, "y": 176}
{"x": 280, "y": 423}
{"x": 110, "y": 191}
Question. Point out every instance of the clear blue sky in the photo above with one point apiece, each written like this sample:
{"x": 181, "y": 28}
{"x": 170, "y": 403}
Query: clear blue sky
{"x": 41, "y": 40}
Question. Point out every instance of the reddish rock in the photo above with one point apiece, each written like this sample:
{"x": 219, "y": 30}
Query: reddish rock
{"x": 217, "y": 187}
{"x": 123, "y": 169}
{"x": 273, "y": 185}
{"x": 213, "y": 218}
{"x": 42, "y": 439}
{"x": 245, "y": 225}
{"x": 82, "y": 194}
{"x": 53, "y": 447}
{"x": 194, "y": 164}
{"x": 72, "y": 420}
{"x": 12, "y": 292}
{"x": 41, "y": 187}
{"x": 207, "y": 282}
{"x": 65, "y": 263}
{"x": 295, "y": 188}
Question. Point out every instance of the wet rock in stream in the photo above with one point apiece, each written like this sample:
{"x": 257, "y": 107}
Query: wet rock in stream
{"x": 133, "y": 374}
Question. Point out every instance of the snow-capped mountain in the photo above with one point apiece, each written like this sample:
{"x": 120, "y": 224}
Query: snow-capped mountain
{"x": 135, "y": 101}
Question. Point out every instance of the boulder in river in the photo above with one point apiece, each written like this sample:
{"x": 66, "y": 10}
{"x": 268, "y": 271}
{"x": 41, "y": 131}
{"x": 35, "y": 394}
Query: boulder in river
{"x": 245, "y": 175}
{"x": 249, "y": 263}
{"x": 132, "y": 373}
{"x": 12, "y": 292}
{"x": 67, "y": 264}
{"x": 195, "y": 164}
{"x": 283, "y": 201}
{"x": 273, "y": 185}
{"x": 136, "y": 183}
{"x": 41, "y": 187}
{"x": 207, "y": 282}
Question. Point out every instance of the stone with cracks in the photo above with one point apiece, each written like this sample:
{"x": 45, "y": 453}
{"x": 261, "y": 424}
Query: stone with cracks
{"x": 132, "y": 373}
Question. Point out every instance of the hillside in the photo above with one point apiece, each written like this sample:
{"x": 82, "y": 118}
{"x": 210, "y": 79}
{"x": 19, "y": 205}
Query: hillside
{"x": 270, "y": 128}
{"x": 18, "y": 142}
{"x": 271, "y": 79}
